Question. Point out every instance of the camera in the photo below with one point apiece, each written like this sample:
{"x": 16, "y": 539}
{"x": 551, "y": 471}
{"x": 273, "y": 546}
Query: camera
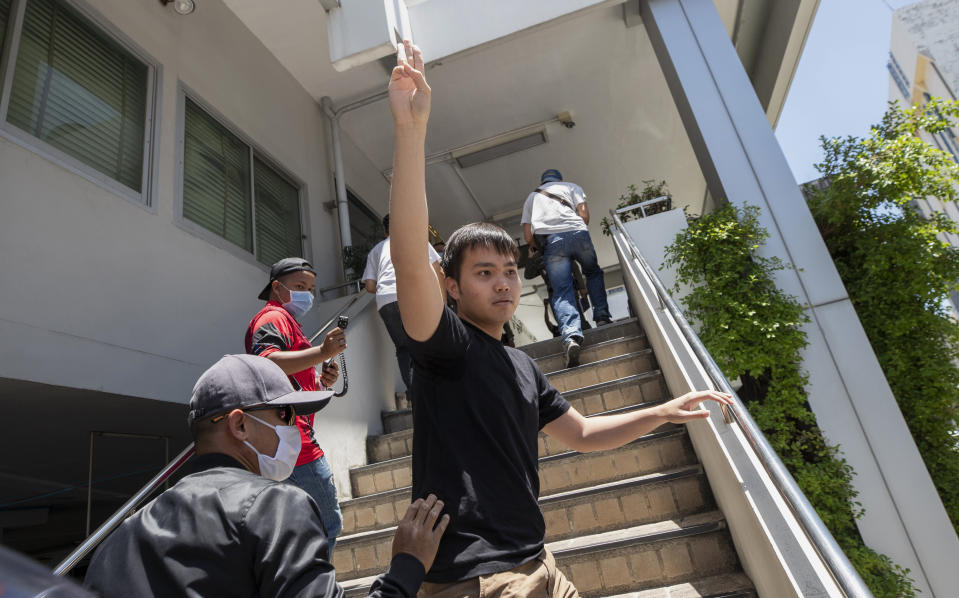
{"x": 342, "y": 322}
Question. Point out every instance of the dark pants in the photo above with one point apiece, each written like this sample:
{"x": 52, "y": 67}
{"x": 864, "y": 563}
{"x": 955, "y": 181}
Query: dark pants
{"x": 394, "y": 325}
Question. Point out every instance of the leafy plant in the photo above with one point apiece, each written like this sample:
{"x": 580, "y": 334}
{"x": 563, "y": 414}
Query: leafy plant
{"x": 899, "y": 270}
{"x": 354, "y": 256}
{"x": 753, "y": 330}
{"x": 651, "y": 190}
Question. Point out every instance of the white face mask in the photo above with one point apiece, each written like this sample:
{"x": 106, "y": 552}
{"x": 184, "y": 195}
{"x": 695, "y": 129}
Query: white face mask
{"x": 280, "y": 466}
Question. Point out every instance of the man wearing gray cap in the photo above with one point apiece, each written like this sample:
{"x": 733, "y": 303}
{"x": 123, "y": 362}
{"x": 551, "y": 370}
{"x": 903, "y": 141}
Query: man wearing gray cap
{"x": 232, "y": 528}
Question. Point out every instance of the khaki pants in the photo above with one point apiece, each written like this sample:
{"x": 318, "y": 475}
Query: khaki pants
{"x": 538, "y": 578}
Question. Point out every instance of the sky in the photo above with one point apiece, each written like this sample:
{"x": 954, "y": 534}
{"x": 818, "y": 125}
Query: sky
{"x": 841, "y": 86}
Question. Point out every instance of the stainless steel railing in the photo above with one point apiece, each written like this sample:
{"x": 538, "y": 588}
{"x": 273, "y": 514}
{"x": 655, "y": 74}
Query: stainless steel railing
{"x": 130, "y": 505}
{"x": 645, "y": 207}
{"x": 123, "y": 512}
{"x": 815, "y": 530}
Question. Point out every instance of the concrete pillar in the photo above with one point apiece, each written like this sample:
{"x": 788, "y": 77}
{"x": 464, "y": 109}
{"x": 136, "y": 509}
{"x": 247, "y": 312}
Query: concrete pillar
{"x": 742, "y": 162}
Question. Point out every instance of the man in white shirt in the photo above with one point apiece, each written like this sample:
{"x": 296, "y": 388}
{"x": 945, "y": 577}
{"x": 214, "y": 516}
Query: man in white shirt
{"x": 555, "y": 221}
{"x": 379, "y": 278}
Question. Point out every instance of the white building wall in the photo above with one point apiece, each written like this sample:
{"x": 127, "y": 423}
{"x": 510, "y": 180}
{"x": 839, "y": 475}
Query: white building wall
{"x": 103, "y": 294}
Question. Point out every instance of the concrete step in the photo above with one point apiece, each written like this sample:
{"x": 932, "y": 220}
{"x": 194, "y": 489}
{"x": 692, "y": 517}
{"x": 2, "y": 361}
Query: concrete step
{"x": 618, "y": 329}
{"x": 646, "y": 388}
{"x": 641, "y": 557}
{"x": 604, "y": 370}
{"x": 667, "y": 448}
{"x": 396, "y": 420}
{"x": 648, "y": 556}
{"x": 593, "y": 353}
{"x": 605, "y": 507}
{"x": 729, "y": 585}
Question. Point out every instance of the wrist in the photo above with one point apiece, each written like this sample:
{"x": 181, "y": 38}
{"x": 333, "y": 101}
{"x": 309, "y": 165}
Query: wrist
{"x": 410, "y": 130}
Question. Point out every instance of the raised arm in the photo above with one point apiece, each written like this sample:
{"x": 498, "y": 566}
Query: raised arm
{"x": 417, "y": 287}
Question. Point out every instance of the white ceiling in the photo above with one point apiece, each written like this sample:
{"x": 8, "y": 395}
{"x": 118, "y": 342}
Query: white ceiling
{"x": 593, "y": 65}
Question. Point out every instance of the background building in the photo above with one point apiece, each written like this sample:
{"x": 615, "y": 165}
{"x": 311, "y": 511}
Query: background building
{"x": 923, "y": 64}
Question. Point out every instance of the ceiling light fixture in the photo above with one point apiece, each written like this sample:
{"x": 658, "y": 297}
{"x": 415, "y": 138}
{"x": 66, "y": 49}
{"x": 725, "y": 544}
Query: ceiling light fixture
{"x": 182, "y": 7}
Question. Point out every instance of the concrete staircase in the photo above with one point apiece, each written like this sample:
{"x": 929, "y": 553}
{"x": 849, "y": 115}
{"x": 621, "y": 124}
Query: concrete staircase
{"x": 636, "y": 521}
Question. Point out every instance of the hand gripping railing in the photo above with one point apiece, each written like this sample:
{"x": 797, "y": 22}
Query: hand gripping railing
{"x": 825, "y": 545}
{"x": 129, "y": 506}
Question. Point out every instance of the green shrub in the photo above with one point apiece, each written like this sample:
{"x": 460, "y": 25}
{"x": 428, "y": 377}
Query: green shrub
{"x": 651, "y": 190}
{"x": 899, "y": 270}
{"x": 753, "y": 330}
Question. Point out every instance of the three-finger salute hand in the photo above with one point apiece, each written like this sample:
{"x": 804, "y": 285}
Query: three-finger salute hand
{"x": 408, "y": 91}
{"x": 683, "y": 409}
{"x": 418, "y": 533}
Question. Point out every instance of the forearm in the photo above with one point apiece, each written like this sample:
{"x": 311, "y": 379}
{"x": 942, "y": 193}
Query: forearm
{"x": 528, "y": 235}
{"x": 292, "y": 362}
{"x": 604, "y": 432}
{"x": 403, "y": 578}
{"x": 408, "y": 210}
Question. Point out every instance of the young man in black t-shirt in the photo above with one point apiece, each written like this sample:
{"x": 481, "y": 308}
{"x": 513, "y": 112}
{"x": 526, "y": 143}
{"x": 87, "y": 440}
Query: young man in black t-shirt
{"x": 479, "y": 405}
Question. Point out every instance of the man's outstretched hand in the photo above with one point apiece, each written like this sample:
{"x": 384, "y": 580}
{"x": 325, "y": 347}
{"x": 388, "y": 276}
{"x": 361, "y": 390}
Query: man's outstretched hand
{"x": 408, "y": 90}
{"x": 418, "y": 533}
{"x": 683, "y": 409}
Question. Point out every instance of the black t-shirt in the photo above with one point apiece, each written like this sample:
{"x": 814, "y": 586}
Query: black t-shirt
{"x": 477, "y": 409}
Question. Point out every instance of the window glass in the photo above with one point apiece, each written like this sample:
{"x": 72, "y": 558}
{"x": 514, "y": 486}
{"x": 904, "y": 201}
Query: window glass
{"x": 366, "y": 228}
{"x": 79, "y": 91}
{"x": 216, "y": 178}
{"x": 4, "y": 19}
{"x": 277, "y": 215}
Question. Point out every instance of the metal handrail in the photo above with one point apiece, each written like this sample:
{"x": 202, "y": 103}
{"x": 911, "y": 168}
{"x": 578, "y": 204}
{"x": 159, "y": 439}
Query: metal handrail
{"x": 130, "y": 505}
{"x": 641, "y": 206}
{"x": 357, "y": 283}
{"x": 329, "y": 322}
{"x": 822, "y": 541}
{"x": 123, "y": 512}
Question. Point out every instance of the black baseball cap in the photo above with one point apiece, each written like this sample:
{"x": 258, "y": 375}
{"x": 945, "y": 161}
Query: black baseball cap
{"x": 239, "y": 381}
{"x": 285, "y": 266}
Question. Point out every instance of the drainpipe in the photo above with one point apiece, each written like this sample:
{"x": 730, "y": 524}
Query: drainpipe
{"x": 342, "y": 207}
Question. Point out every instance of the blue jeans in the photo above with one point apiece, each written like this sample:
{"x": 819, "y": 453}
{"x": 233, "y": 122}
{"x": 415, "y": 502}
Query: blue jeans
{"x": 558, "y": 254}
{"x": 317, "y": 479}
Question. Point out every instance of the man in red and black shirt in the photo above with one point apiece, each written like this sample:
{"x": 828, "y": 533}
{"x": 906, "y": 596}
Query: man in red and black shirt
{"x": 275, "y": 334}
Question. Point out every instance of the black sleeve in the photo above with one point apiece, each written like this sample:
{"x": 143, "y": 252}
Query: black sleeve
{"x": 443, "y": 354}
{"x": 551, "y": 403}
{"x": 291, "y": 555}
{"x": 268, "y": 338}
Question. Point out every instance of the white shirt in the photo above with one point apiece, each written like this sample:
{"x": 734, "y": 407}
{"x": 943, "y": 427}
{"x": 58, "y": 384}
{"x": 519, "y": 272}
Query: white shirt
{"x": 379, "y": 267}
{"x": 548, "y": 216}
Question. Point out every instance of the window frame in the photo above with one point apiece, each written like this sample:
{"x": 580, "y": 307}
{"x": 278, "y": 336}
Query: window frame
{"x": 145, "y": 198}
{"x": 255, "y": 149}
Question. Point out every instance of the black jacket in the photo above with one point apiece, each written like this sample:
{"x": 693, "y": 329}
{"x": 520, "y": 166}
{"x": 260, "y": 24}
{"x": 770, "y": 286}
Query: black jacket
{"x": 225, "y": 531}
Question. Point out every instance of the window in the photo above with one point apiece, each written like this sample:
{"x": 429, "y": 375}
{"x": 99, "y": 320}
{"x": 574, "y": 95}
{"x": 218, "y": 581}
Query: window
{"x": 79, "y": 91}
{"x": 366, "y": 228}
{"x": 4, "y": 18}
{"x": 231, "y": 191}
{"x": 902, "y": 82}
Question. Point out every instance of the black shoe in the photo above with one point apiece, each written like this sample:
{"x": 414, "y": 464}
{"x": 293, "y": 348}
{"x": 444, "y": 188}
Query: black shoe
{"x": 572, "y": 354}
{"x": 603, "y": 322}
